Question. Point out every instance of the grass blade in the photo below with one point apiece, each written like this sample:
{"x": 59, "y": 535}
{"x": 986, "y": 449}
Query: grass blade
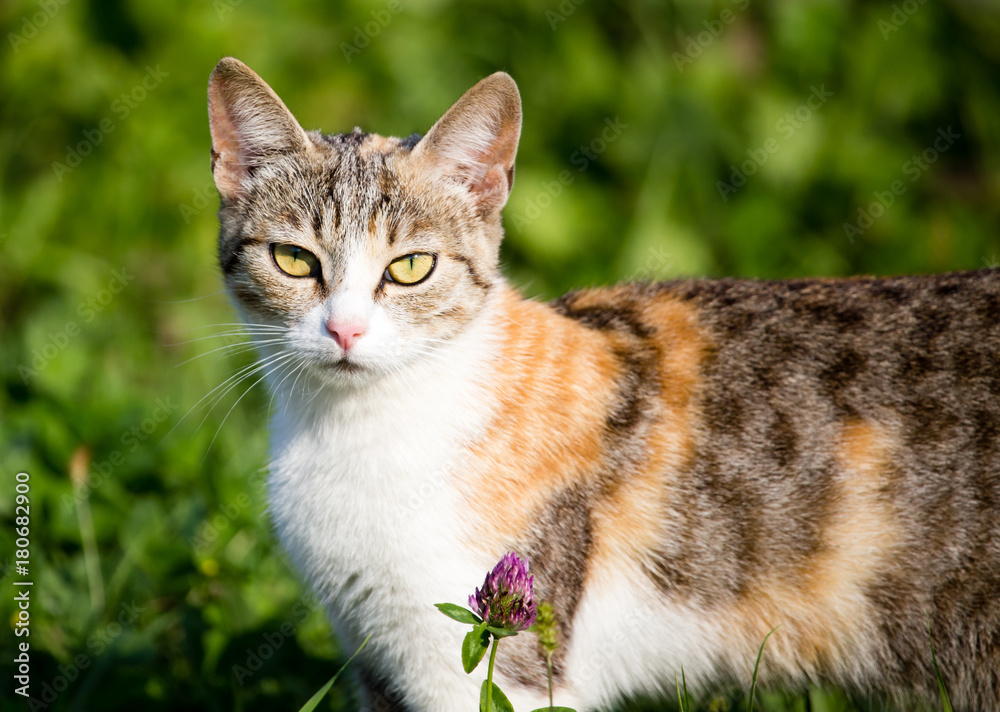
{"x": 945, "y": 701}
{"x": 78, "y": 467}
{"x": 318, "y": 697}
{"x": 756, "y": 667}
{"x": 682, "y": 696}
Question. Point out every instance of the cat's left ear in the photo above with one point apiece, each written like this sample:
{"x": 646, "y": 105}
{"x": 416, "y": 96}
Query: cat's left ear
{"x": 475, "y": 142}
{"x": 249, "y": 124}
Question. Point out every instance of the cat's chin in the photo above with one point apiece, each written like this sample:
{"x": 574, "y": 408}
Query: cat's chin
{"x": 346, "y": 373}
{"x": 359, "y": 373}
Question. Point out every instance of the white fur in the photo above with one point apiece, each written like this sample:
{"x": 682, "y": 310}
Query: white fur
{"x": 626, "y": 641}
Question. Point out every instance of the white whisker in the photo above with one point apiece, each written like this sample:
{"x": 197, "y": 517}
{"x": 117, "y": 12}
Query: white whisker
{"x": 192, "y": 299}
{"x": 239, "y": 348}
{"x": 284, "y": 358}
{"x": 240, "y": 324}
{"x": 297, "y": 366}
{"x": 230, "y": 382}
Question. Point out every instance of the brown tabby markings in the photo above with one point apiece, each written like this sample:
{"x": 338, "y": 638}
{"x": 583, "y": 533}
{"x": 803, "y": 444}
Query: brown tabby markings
{"x": 649, "y": 433}
{"x": 820, "y": 603}
{"x": 819, "y": 454}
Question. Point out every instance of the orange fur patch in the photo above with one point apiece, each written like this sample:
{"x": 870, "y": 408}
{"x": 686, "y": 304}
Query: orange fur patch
{"x": 553, "y": 383}
{"x": 628, "y": 523}
{"x": 374, "y": 143}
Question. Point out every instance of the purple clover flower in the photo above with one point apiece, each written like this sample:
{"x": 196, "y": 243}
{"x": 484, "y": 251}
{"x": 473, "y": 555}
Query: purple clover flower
{"x": 506, "y": 599}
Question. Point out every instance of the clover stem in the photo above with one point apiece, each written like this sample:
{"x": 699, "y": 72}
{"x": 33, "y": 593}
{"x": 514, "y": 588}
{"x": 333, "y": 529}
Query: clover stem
{"x": 548, "y": 661}
{"x": 489, "y": 675}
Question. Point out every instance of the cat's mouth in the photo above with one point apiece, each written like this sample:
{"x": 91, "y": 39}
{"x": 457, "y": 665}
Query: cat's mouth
{"x": 345, "y": 366}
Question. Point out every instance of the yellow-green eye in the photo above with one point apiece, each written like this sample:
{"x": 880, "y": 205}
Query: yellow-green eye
{"x": 411, "y": 268}
{"x": 294, "y": 260}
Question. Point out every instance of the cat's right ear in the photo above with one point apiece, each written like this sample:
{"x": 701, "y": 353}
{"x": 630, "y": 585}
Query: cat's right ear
{"x": 475, "y": 142}
{"x": 249, "y": 124}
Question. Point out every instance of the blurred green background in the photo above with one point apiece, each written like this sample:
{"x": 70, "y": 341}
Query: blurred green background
{"x": 741, "y": 137}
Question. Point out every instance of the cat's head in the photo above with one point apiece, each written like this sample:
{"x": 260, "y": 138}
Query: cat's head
{"x": 366, "y": 252}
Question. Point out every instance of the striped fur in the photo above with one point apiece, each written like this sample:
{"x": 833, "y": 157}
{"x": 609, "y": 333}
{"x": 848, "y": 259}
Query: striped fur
{"x": 686, "y": 464}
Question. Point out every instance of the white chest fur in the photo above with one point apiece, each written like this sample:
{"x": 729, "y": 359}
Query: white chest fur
{"x": 363, "y": 498}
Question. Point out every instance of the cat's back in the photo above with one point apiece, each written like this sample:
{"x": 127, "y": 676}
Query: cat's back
{"x": 839, "y": 464}
{"x": 921, "y": 351}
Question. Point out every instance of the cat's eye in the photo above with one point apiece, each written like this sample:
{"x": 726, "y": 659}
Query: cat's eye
{"x": 294, "y": 260}
{"x": 410, "y": 269}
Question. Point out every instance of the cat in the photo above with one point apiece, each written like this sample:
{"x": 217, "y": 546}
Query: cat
{"x": 686, "y": 464}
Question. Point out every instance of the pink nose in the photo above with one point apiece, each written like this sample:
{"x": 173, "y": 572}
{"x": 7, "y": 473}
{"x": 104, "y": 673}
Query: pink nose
{"x": 345, "y": 333}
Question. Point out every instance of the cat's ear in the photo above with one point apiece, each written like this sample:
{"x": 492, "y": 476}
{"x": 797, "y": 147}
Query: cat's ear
{"x": 475, "y": 142}
{"x": 249, "y": 124}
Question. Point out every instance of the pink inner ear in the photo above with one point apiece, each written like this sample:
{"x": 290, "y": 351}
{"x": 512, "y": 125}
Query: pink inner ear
{"x": 490, "y": 174}
{"x": 248, "y": 123}
{"x": 475, "y": 142}
{"x": 227, "y": 157}
{"x": 493, "y": 181}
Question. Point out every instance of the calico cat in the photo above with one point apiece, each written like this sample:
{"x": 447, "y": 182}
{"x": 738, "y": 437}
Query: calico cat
{"x": 686, "y": 464}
